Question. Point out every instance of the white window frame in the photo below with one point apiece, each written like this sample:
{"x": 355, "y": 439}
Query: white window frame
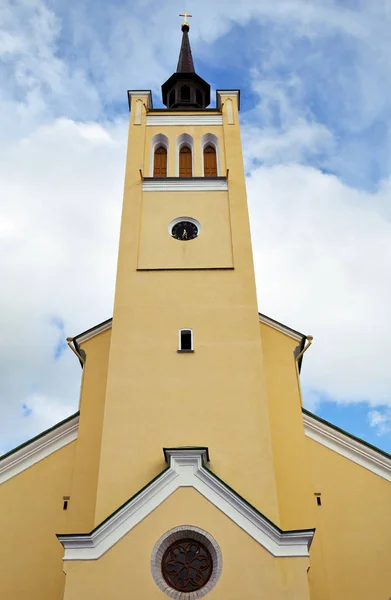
{"x": 158, "y": 140}
{"x": 209, "y": 139}
{"x": 187, "y": 329}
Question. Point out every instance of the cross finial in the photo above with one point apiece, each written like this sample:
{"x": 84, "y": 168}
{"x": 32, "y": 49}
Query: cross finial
{"x": 185, "y": 15}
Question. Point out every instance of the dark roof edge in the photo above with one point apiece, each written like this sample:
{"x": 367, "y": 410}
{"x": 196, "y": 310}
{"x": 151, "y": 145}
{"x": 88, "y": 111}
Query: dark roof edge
{"x": 40, "y": 435}
{"x": 102, "y": 324}
{"x": 282, "y": 325}
{"x": 344, "y": 432}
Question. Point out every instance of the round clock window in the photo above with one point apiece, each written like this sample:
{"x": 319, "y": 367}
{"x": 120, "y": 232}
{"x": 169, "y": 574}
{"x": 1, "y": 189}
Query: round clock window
{"x": 184, "y": 229}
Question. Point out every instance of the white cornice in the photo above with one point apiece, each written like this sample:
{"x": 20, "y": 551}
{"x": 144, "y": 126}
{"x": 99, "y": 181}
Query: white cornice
{"x": 39, "y": 448}
{"x": 140, "y": 94}
{"x": 83, "y": 337}
{"x": 350, "y": 448}
{"x": 185, "y": 120}
{"x": 295, "y": 335}
{"x": 224, "y": 93}
{"x": 186, "y": 469}
{"x": 180, "y": 185}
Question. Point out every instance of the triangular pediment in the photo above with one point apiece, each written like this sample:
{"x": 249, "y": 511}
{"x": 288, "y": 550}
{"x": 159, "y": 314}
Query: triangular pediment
{"x": 187, "y": 468}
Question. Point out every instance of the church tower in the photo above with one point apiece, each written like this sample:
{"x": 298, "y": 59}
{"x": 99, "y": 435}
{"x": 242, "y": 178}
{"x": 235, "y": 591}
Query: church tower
{"x": 185, "y": 355}
{"x": 191, "y": 468}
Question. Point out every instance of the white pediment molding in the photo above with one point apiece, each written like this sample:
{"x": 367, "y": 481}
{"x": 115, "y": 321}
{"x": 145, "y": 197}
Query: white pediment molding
{"x": 38, "y": 448}
{"x": 351, "y": 448}
{"x": 157, "y": 120}
{"x": 180, "y": 184}
{"x": 187, "y": 468}
{"x": 295, "y": 335}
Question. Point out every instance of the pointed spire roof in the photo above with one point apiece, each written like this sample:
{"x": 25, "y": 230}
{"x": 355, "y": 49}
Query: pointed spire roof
{"x": 185, "y": 89}
{"x": 185, "y": 62}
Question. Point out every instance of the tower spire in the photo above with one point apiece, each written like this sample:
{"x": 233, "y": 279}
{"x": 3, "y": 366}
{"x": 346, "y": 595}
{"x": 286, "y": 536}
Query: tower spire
{"x": 185, "y": 89}
{"x": 185, "y": 61}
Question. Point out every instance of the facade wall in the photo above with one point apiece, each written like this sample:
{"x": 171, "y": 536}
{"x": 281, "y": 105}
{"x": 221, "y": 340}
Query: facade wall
{"x": 294, "y": 485}
{"x": 31, "y": 513}
{"x": 215, "y": 396}
{"x": 248, "y": 570}
{"x": 92, "y": 402}
{"x": 352, "y": 547}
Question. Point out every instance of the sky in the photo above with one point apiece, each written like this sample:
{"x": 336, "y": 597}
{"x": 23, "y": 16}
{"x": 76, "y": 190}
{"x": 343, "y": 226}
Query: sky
{"x": 315, "y": 80}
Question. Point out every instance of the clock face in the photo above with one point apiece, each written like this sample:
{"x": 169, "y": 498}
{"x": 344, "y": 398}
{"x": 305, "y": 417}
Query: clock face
{"x": 184, "y": 231}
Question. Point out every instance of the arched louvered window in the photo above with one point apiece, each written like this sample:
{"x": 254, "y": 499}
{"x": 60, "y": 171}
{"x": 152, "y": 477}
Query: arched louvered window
{"x": 185, "y": 162}
{"x": 160, "y": 162}
{"x": 210, "y": 161}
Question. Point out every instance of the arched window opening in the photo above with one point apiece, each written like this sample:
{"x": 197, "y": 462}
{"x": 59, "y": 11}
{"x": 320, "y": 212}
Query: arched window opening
{"x": 199, "y": 97}
{"x": 186, "y": 343}
{"x": 160, "y": 162}
{"x": 210, "y": 161}
{"x": 185, "y": 162}
{"x": 171, "y": 101}
{"x": 185, "y": 92}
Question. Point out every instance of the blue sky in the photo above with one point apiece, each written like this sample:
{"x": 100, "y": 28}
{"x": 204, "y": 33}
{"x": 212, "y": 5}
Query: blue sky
{"x": 315, "y": 79}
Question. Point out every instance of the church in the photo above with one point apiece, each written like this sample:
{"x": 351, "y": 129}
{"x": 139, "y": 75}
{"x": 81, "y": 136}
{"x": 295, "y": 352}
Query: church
{"x": 191, "y": 468}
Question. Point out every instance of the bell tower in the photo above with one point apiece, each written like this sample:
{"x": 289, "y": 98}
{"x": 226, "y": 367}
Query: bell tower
{"x": 185, "y": 364}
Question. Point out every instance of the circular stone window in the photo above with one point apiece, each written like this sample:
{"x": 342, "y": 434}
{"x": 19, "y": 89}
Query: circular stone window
{"x": 184, "y": 229}
{"x": 186, "y": 563}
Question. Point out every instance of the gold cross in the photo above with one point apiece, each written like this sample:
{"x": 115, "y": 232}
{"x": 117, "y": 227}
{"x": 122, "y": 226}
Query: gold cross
{"x": 185, "y": 15}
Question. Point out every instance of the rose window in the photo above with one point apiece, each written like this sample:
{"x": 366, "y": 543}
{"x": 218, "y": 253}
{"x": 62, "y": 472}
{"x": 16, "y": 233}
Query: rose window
{"x": 187, "y": 565}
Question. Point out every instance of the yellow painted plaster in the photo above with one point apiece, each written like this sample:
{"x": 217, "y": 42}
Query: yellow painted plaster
{"x": 215, "y": 397}
{"x": 249, "y": 571}
{"x": 31, "y": 513}
{"x": 286, "y": 421}
{"x": 350, "y": 557}
{"x": 92, "y": 402}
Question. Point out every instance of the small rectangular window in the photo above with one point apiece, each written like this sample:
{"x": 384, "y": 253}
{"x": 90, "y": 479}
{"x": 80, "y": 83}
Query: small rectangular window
{"x": 186, "y": 340}
{"x": 65, "y": 502}
{"x": 318, "y": 499}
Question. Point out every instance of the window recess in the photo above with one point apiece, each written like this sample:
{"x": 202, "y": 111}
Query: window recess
{"x": 186, "y": 342}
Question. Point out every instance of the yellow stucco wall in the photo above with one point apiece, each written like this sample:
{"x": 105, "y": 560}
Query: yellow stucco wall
{"x": 351, "y": 554}
{"x": 249, "y": 571}
{"x": 92, "y": 402}
{"x": 295, "y": 495}
{"x": 211, "y": 249}
{"x": 215, "y": 397}
{"x": 31, "y": 513}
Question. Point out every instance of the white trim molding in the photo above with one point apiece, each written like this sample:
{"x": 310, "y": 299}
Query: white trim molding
{"x": 220, "y": 94}
{"x": 181, "y": 184}
{"x": 87, "y": 335}
{"x": 187, "y": 468}
{"x": 185, "y": 120}
{"x": 140, "y": 94}
{"x": 38, "y": 448}
{"x": 351, "y": 448}
{"x": 295, "y": 335}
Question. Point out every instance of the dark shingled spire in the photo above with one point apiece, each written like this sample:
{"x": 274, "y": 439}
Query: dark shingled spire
{"x": 185, "y": 89}
{"x": 185, "y": 62}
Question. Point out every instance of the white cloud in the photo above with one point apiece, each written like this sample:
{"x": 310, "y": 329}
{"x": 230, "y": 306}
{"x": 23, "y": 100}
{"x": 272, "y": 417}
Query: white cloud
{"x": 381, "y": 421}
{"x": 323, "y": 264}
{"x": 60, "y": 203}
{"x": 322, "y": 248}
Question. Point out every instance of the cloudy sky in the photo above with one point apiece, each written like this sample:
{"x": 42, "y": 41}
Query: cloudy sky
{"x": 315, "y": 77}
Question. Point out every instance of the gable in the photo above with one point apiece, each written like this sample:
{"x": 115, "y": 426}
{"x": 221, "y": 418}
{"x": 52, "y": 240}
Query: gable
{"x": 187, "y": 468}
{"x": 128, "y": 565}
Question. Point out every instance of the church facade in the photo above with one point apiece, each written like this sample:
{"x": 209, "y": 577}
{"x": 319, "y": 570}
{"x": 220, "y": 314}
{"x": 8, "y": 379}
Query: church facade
{"x": 191, "y": 468}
